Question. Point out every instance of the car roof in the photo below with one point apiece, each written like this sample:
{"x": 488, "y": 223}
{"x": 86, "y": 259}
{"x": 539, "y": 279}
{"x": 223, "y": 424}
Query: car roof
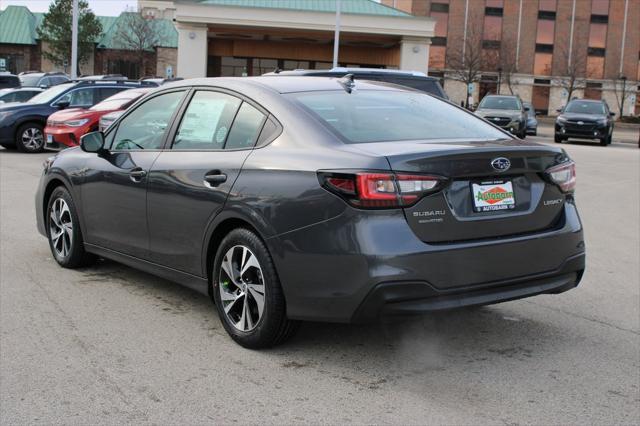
{"x": 288, "y": 84}
{"x": 355, "y": 71}
{"x": 593, "y": 101}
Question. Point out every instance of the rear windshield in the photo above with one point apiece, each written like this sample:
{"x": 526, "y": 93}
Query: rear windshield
{"x": 498, "y": 102}
{"x": 9, "y": 81}
{"x": 379, "y": 116}
{"x": 585, "y": 107}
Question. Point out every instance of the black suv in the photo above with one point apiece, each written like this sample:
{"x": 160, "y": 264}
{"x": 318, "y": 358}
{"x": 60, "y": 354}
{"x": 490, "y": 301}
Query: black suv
{"x": 22, "y": 124}
{"x": 585, "y": 119}
{"x": 415, "y": 80}
{"x": 43, "y": 80}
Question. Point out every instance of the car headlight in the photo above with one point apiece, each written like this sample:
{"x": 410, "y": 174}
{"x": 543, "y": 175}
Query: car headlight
{"x": 602, "y": 121}
{"x": 77, "y": 123}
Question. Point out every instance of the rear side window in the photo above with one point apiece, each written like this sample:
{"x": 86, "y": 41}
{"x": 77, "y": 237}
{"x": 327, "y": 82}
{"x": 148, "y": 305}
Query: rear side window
{"x": 379, "y": 116}
{"x": 206, "y": 121}
{"x": 246, "y": 128}
{"x": 105, "y": 92}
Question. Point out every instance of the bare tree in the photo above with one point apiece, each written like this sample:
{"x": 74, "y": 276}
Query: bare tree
{"x": 139, "y": 34}
{"x": 466, "y": 62}
{"x": 620, "y": 90}
{"x": 507, "y": 63}
{"x": 572, "y": 74}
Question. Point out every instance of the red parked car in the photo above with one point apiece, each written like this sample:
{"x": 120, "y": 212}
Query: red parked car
{"x": 65, "y": 127}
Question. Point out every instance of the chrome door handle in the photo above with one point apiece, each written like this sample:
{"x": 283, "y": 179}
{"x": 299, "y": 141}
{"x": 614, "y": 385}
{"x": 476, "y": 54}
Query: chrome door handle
{"x": 137, "y": 174}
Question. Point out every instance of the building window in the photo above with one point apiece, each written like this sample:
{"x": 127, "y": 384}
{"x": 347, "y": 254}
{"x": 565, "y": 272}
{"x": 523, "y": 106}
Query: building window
{"x": 440, "y": 7}
{"x": 593, "y": 90}
{"x": 596, "y": 51}
{"x": 493, "y": 11}
{"x": 438, "y": 41}
{"x": 491, "y": 44}
{"x": 547, "y": 15}
{"x": 599, "y": 19}
{"x": 542, "y": 81}
{"x": 544, "y": 48}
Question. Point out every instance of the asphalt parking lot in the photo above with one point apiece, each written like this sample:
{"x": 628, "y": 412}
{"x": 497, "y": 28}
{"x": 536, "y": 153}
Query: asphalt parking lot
{"x": 112, "y": 345}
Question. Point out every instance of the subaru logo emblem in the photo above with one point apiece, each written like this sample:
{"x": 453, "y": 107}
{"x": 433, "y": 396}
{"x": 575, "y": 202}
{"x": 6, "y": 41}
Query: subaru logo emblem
{"x": 501, "y": 164}
{"x": 580, "y": 123}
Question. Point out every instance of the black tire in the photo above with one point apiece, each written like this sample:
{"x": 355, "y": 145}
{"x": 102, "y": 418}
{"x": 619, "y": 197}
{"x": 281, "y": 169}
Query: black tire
{"x": 28, "y": 144}
{"x": 74, "y": 256}
{"x": 558, "y": 139}
{"x": 604, "y": 141}
{"x": 273, "y": 327}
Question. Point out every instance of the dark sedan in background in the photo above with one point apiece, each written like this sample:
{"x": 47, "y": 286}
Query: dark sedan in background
{"x": 585, "y": 119}
{"x": 532, "y": 120}
{"x": 22, "y": 124}
{"x": 302, "y": 198}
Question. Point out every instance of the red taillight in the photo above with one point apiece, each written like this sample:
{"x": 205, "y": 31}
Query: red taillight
{"x": 563, "y": 175}
{"x": 380, "y": 190}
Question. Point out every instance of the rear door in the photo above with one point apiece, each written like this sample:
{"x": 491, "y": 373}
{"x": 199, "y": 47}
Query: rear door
{"x": 190, "y": 180}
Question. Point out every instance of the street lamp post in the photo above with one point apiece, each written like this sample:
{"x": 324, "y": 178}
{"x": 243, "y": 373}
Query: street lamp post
{"x": 499, "y": 78}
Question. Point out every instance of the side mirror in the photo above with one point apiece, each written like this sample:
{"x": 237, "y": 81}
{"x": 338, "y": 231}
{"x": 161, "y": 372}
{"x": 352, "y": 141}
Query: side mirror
{"x": 63, "y": 104}
{"x": 612, "y": 114}
{"x": 559, "y": 110}
{"x": 92, "y": 142}
{"x": 44, "y": 86}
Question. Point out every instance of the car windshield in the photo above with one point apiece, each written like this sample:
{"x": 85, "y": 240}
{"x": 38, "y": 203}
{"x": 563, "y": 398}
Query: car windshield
{"x": 499, "y": 102}
{"x": 377, "y": 116}
{"x": 30, "y": 80}
{"x": 585, "y": 107}
{"x": 50, "y": 94}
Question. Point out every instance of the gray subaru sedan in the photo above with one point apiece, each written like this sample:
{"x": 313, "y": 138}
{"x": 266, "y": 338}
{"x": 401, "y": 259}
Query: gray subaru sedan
{"x": 312, "y": 198}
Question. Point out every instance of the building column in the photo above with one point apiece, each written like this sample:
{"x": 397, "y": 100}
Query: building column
{"x": 414, "y": 54}
{"x": 192, "y": 51}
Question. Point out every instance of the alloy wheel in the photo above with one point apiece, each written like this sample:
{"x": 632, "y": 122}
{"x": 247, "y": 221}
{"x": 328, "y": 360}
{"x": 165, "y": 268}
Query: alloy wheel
{"x": 242, "y": 289}
{"x": 61, "y": 227}
{"x": 32, "y": 138}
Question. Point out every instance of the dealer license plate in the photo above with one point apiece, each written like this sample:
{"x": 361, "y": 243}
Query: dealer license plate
{"x": 493, "y": 195}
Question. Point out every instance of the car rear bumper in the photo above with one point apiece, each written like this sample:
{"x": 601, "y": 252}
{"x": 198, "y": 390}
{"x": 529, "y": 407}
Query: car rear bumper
{"x": 400, "y": 299}
{"x": 341, "y": 269}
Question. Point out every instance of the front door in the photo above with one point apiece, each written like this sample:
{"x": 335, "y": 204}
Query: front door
{"x": 114, "y": 189}
{"x": 189, "y": 183}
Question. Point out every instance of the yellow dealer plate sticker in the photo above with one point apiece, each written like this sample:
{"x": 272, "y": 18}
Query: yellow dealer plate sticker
{"x": 493, "y": 195}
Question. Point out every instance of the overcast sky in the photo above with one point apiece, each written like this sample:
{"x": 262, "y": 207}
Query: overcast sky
{"x": 99, "y": 7}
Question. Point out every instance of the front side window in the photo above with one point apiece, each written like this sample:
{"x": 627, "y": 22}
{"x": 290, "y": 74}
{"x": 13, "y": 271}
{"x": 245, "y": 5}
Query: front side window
{"x": 145, "y": 126}
{"x": 206, "y": 122}
{"x": 377, "y": 116}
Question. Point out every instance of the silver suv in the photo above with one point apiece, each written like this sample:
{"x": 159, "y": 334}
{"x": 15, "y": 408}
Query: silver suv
{"x": 505, "y": 111}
